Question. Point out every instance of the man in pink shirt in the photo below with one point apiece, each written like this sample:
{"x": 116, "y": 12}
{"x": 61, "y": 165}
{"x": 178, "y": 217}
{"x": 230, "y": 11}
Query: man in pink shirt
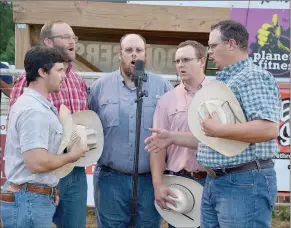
{"x": 171, "y": 114}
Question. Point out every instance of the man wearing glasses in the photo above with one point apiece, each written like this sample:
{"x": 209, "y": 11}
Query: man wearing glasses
{"x": 71, "y": 210}
{"x": 171, "y": 115}
{"x": 242, "y": 189}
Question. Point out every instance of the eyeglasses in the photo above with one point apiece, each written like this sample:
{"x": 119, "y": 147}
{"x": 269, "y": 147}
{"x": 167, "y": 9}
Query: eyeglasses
{"x": 183, "y": 60}
{"x": 65, "y": 37}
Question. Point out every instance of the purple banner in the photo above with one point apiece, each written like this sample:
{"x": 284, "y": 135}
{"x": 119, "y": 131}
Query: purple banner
{"x": 269, "y": 41}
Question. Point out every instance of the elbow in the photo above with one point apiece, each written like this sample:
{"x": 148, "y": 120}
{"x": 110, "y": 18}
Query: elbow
{"x": 272, "y": 132}
{"x": 36, "y": 168}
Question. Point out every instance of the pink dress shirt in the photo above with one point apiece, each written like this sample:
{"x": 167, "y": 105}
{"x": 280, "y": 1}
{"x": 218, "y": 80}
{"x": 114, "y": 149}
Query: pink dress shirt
{"x": 172, "y": 114}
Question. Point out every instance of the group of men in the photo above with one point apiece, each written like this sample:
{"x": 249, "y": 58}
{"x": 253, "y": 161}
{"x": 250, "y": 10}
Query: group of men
{"x": 245, "y": 197}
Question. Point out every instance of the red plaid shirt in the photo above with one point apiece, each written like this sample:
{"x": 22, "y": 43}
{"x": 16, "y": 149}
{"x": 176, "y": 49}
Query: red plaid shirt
{"x": 73, "y": 92}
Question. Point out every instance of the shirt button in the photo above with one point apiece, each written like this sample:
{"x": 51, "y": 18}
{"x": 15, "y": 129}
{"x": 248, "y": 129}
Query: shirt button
{"x": 131, "y": 117}
{"x": 131, "y": 145}
{"x": 130, "y": 159}
{"x": 131, "y": 131}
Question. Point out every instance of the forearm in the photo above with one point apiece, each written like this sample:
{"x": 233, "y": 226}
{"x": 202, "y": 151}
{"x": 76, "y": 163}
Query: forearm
{"x": 157, "y": 163}
{"x": 5, "y": 87}
{"x": 185, "y": 139}
{"x": 45, "y": 162}
{"x": 255, "y": 131}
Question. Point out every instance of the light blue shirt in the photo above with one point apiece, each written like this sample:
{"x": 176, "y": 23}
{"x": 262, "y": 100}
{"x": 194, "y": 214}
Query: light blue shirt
{"x": 33, "y": 123}
{"x": 115, "y": 104}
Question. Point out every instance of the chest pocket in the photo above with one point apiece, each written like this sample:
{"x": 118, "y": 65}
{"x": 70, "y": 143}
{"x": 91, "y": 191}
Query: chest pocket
{"x": 56, "y": 138}
{"x": 149, "y": 106}
{"x": 109, "y": 113}
{"x": 178, "y": 116}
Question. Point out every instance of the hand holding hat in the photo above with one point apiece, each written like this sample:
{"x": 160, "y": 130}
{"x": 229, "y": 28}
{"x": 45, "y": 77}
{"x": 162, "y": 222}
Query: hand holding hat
{"x": 82, "y": 136}
{"x": 213, "y": 106}
{"x": 186, "y": 212}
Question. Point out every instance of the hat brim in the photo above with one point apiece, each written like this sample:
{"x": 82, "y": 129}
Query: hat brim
{"x": 91, "y": 120}
{"x": 67, "y": 123}
{"x": 179, "y": 220}
{"x": 216, "y": 90}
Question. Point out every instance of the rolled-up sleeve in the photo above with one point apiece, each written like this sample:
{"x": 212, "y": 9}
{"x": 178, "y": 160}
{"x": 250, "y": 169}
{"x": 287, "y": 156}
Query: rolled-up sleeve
{"x": 260, "y": 96}
{"x": 33, "y": 127}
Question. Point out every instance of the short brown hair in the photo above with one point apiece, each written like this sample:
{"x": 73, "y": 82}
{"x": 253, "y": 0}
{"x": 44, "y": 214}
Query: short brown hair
{"x": 231, "y": 29}
{"x": 201, "y": 51}
{"x": 46, "y": 30}
{"x": 123, "y": 37}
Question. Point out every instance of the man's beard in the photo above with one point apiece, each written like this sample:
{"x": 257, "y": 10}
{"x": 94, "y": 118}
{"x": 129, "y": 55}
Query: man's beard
{"x": 64, "y": 53}
{"x": 126, "y": 69}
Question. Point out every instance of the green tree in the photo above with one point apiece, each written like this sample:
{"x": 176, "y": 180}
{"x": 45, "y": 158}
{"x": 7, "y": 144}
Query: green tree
{"x": 7, "y": 40}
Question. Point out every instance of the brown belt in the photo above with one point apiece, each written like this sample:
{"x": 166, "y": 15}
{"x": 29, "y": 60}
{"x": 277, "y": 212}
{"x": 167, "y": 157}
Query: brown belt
{"x": 11, "y": 188}
{"x": 198, "y": 175}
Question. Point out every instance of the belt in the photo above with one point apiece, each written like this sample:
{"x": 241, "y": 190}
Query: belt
{"x": 109, "y": 169}
{"x": 11, "y": 188}
{"x": 198, "y": 175}
{"x": 245, "y": 167}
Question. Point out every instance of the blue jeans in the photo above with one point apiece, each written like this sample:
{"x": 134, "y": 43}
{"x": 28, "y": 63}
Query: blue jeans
{"x": 239, "y": 200}
{"x": 201, "y": 181}
{"x": 112, "y": 195}
{"x": 71, "y": 211}
{"x": 30, "y": 210}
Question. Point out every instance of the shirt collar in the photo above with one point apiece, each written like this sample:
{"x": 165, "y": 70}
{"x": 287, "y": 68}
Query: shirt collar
{"x": 234, "y": 68}
{"x": 33, "y": 93}
{"x": 69, "y": 68}
{"x": 182, "y": 87}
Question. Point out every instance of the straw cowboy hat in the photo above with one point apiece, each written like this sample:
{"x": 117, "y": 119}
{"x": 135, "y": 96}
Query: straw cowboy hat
{"x": 216, "y": 97}
{"x": 188, "y": 201}
{"x": 88, "y": 127}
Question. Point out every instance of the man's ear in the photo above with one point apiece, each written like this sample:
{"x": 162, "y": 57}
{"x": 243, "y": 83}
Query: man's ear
{"x": 48, "y": 42}
{"x": 203, "y": 62}
{"x": 42, "y": 73}
{"x": 232, "y": 44}
{"x": 119, "y": 53}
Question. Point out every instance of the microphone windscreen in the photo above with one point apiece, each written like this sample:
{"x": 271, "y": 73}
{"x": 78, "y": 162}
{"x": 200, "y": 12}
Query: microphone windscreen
{"x": 139, "y": 65}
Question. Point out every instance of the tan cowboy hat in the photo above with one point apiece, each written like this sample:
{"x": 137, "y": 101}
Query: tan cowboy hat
{"x": 86, "y": 125}
{"x": 216, "y": 97}
{"x": 188, "y": 202}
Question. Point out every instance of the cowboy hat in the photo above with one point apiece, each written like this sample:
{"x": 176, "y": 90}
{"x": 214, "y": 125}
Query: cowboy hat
{"x": 95, "y": 137}
{"x": 216, "y": 97}
{"x": 87, "y": 126}
{"x": 188, "y": 201}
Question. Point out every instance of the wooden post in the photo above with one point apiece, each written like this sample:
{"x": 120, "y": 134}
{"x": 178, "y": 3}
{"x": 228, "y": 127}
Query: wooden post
{"x": 22, "y": 44}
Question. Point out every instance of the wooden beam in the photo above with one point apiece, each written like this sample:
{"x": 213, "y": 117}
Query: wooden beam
{"x": 120, "y": 15}
{"x": 22, "y": 44}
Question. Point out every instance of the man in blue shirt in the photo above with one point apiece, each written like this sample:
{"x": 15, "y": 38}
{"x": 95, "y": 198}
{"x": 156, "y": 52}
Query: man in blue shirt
{"x": 5, "y": 82}
{"x": 113, "y": 99}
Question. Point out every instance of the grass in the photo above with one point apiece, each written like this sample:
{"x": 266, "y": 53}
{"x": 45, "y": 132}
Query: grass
{"x": 280, "y": 218}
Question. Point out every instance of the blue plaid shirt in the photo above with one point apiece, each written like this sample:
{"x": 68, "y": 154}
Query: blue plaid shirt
{"x": 259, "y": 96}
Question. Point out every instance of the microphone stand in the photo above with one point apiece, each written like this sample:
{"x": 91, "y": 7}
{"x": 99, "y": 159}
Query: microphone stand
{"x": 139, "y": 93}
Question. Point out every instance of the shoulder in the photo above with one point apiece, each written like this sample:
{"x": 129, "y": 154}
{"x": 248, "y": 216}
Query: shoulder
{"x": 105, "y": 79}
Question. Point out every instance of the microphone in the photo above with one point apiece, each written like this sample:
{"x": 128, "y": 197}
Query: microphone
{"x": 138, "y": 72}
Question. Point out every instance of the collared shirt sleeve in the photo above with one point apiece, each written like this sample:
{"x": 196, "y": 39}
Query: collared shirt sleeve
{"x": 33, "y": 131}
{"x": 93, "y": 97}
{"x": 17, "y": 89}
{"x": 260, "y": 96}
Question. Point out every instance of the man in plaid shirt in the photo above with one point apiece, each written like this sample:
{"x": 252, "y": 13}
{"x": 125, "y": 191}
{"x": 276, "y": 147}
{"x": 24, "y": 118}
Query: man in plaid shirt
{"x": 240, "y": 191}
{"x": 71, "y": 211}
